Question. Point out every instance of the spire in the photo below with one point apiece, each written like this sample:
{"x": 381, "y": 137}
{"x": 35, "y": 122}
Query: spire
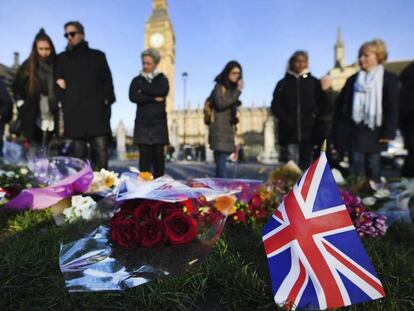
{"x": 339, "y": 40}
{"x": 159, "y": 5}
{"x": 339, "y": 50}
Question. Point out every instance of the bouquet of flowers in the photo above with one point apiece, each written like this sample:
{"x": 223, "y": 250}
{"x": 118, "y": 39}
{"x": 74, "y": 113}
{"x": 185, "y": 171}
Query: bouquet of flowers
{"x": 149, "y": 223}
{"x": 157, "y": 227}
{"x": 13, "y": 179}
{"x": 367, "y": 223}
{"x": 104, "y": 181}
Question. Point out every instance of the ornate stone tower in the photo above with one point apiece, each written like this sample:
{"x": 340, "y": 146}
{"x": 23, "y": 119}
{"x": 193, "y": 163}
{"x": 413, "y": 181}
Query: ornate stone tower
{"x": 339, "y": 50}
{"x": 159, "y": 34}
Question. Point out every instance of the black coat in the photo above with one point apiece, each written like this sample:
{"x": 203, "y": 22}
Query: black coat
{"x": 350, "y": 136}
{"x": 30, "y": 110}
{"x": 151, "y": 116}
{"x": 297, "y": 103}
{"x": 6, "y": 106}
{"x": 407, "y": 106}
{"x": 89, "y": 92}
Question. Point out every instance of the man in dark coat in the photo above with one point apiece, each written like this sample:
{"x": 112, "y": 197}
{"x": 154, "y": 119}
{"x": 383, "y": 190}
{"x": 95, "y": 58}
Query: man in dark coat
{"x": 407, "y": 117}
{"x": 85, "y": 79}
{"x": 6, "y": 110}
{"x": 298, "y": 101}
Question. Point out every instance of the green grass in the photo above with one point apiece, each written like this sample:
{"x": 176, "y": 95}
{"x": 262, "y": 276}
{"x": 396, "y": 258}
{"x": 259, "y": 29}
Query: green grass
{"x": 233, "y": 277}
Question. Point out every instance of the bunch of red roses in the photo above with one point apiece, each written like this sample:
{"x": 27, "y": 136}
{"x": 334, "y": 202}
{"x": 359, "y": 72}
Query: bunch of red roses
{"x": 149, "y": 223}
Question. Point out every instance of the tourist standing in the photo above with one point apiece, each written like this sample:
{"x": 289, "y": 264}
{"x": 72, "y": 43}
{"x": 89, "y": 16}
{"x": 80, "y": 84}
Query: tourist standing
{"x": 6, "y": 110}
{"x": 225, "y": 100}
{"x": 298, "y": 100}
{"x": 149, "y": 91}
{"x": 407, "y": 117}
{"x": 34, "y": 90}
{"x": 85, "y": 80}
{"x": 366, "y": 114}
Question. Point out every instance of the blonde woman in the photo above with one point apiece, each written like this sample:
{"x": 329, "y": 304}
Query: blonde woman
{"x": 149, "y": 91}
{"x": 367, "y": 111}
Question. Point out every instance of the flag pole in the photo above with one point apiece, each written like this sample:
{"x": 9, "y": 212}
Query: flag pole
{"x": 323, "y": 147}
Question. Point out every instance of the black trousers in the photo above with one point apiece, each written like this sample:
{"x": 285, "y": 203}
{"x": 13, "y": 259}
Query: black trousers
{"x": 151, "y": 159}
{"x": 1, "y": 137}
{"x": 408, "y": 168}
{"x": 99, "y": 150}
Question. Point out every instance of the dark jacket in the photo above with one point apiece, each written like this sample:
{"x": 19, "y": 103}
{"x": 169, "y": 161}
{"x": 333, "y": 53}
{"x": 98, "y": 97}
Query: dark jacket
{"x": 407, "y": 106}
{"x": 222, "y": 129}
{"x": 151, "y": 117}
{"x": 6, "y": 105}
{"x": 30, "y": 110}
{"x": 89, "y": 92}
{"x": 358, "y": 137}
{"x": 297, "y": 103}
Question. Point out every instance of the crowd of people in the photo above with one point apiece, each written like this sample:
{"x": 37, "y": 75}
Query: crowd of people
{"x": 359, "y": 122}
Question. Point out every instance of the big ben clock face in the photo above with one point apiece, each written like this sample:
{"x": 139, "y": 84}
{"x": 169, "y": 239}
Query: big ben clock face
{"x": 157, "y": 40}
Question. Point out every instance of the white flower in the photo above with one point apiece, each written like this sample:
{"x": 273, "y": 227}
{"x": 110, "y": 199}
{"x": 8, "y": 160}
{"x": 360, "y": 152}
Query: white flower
{"x": 382, "y": 193}
{"x": 104, "y": 180}
{"x": 24, "y": 171}
{"x": 10, "y": 174}
{"x": 369, "y": 201}
{"x": 81, "y": 207}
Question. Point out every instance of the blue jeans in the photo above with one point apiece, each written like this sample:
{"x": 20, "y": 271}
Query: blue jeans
{"x": 366, "y": 164}
{"x": 220, "y": 158}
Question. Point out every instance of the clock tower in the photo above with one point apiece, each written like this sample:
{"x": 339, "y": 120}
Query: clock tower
{"x": 159, "y": 34}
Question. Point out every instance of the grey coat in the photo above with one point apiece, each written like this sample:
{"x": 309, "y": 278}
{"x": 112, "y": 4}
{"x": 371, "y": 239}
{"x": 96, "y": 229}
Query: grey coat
{"x": 221, "y": 131}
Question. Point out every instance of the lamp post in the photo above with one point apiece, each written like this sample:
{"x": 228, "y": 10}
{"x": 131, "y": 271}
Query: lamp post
{"x": 184, "y": 75}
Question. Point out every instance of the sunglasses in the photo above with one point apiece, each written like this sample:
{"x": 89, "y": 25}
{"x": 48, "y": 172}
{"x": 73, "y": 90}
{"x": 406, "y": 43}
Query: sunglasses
{"x": 71, "y": 34}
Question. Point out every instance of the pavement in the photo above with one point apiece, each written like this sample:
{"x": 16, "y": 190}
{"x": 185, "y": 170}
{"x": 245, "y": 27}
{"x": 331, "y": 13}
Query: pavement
{"x": 193, "y": 169}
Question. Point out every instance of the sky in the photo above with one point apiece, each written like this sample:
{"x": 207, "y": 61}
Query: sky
{"x": 260, "y": 34}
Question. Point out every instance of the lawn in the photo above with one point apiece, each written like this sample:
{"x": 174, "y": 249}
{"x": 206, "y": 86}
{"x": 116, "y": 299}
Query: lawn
{"x": 233, "y": 277}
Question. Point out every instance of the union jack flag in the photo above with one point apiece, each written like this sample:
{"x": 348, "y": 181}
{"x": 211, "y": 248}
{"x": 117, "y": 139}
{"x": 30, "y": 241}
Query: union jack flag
{"x": 315, "y": 256}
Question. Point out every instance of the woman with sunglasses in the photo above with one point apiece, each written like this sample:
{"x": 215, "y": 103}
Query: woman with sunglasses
{"x": 149, "y": 91}
{"x": 225, "y": 100}
{"x": 34, "y": 91}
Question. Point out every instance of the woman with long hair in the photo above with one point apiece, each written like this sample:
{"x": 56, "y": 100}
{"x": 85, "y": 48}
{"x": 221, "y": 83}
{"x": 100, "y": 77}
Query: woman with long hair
{"x": 225, "y": 100}
{"x": 34, "y": 91}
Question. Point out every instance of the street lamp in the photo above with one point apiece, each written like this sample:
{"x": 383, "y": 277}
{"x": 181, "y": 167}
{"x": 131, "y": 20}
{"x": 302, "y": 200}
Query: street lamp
{"x": 184, "y": 75}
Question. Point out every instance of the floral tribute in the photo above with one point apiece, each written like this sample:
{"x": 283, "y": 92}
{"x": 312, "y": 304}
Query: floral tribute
{"x": 149, "y": 223}
{"x": 367, "y": 223}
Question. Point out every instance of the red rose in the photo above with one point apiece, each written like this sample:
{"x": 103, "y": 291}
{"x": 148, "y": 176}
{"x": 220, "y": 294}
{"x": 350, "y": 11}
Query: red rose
{"x": 122, "y": 215}
{"x": 125, "y": 232}
{"x": 256, "y": 201}
{"x": 189, "y": 207}
{"x": 168, "y": 208}
{"x": 180, "y": 228}
{"x": 257, "y": 213}
{"x": 130, "y": 204}
{"x": 241, "y": 216}
{"x": 147, "y": 210}
{"x": 152, "y": 233}
{"x": 12, "y": 191}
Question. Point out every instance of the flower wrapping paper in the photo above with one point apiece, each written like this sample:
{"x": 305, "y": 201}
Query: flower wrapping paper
{"x": 95, "y": 263}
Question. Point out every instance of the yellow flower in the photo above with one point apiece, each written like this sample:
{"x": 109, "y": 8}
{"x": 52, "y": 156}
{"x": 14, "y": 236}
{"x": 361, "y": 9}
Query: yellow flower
{"x": 225, "y": 204}
{"x": 109, "y": 181}
{"x": 145, "y": 176}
